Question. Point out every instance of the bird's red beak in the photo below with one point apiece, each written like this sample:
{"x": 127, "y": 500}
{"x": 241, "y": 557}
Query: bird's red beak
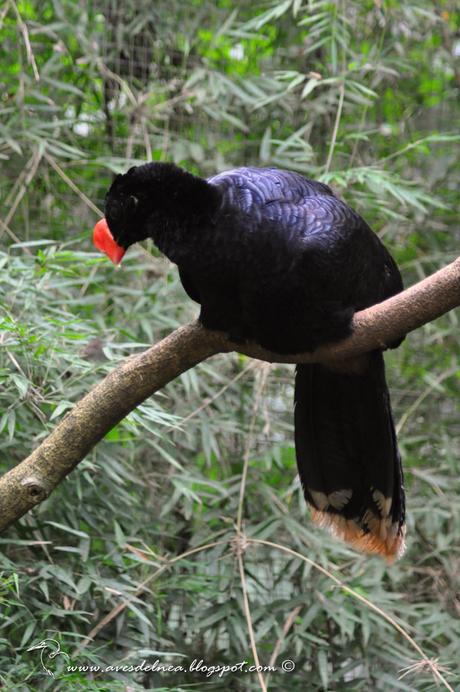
{"x": 104, "y": 241}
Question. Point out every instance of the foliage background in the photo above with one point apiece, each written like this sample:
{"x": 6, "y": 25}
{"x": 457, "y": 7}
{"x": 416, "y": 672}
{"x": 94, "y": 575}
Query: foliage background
{"x": 363, "y": 95}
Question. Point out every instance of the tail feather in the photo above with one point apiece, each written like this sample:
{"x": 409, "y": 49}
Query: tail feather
{"x": 347, "y": 455}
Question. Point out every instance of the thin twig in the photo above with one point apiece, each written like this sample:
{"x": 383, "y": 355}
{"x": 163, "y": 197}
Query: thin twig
{"x": 367, "y": 105}
{"x": 207, "y": 402}
{"x": 420, "y": 399}
{"x": 13, "y": 236}
{"x": 407, "y": 147}
{"x": 107, "y": 72}
{"x": 336, "y": 127}
{"x": 249, "y": 439}
{"x": 28, "y": 173}
{"x": 247, "y": 613}
{"x": 4, "y": 12}
{"x": 239, "y": 521}
{"x": 148, "y": 146}
{"x": 25, "y": 34}
{"x": 88, "y": 281}
{"x": 71, "y": 184}
{"x": 18, "y": 182}
{"x": 287, "y": 626}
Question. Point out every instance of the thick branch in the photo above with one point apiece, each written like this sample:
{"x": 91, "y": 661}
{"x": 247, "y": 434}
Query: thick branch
{"x": 140, "y": 376}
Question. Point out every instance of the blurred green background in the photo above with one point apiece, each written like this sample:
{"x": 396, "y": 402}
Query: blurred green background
{"x": 360, "y": 94}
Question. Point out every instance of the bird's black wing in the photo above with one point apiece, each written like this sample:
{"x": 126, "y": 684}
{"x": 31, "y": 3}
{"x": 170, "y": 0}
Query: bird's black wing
{"x": 325, "y": 240}
{"x": 251, "y": 189}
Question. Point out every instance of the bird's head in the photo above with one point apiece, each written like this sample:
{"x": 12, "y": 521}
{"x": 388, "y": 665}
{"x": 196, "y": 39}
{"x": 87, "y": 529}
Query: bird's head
{"x": 147, "y": 201}
{"x": 126, "y": 205}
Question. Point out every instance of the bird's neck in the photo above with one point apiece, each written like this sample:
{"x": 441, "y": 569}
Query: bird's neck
{"x": 186, "y": 215}
{"x": 172, "y": 234}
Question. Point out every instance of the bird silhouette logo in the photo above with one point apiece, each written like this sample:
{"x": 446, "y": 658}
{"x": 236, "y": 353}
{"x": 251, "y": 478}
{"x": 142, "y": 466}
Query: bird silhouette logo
{"x": 49, "y": 650}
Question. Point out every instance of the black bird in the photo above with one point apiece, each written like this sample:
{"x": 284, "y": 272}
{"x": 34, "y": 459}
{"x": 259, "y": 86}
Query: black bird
{"x": 278, "y": 259}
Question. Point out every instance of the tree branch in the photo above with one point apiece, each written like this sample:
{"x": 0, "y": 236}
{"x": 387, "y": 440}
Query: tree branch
{"x": 138, "y": 377}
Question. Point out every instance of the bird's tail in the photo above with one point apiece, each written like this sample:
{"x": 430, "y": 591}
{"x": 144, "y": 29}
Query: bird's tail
{"x": 347, "y": 454}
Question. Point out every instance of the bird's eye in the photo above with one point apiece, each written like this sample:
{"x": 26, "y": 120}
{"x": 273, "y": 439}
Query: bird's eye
{"x": 132, "y": 202}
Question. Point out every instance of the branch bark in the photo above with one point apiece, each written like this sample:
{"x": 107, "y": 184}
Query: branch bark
{"x": 138, "y": 377}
